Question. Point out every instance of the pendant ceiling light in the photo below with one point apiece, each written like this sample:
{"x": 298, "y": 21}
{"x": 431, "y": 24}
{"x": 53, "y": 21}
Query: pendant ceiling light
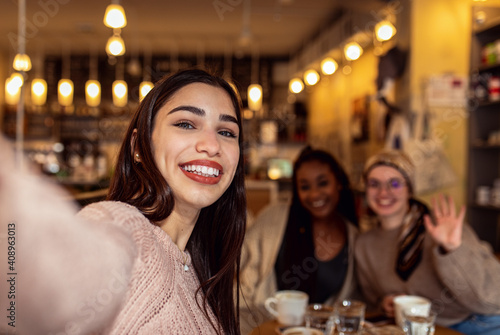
{"x": 92, "y": 86}
{"x": 120, "y": 87}
{"x": 254, "y": 92}
{"x": 38, "y": 92}
{"x": 65, "y": 87}
{"x": 114, "y": 17}
{"x": 115, "y": 45}
{"x": 13, "y": 86}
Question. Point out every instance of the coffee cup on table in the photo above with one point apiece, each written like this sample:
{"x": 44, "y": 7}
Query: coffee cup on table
{"x": 416, "y": 303}
{"x": 288, "y": 307}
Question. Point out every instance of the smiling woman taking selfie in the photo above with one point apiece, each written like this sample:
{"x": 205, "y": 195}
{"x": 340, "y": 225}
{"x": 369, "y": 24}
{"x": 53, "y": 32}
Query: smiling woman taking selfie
{"x": 162, "y": 252}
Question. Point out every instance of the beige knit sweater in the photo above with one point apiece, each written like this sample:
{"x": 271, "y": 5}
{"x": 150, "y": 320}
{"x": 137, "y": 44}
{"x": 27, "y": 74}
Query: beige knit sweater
{"x": 460, "y": 283}
{"x": 107, "y": 270}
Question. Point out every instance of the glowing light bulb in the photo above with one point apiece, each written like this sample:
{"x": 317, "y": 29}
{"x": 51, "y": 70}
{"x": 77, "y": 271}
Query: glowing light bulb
{"x": 296, "y": 85}
{"x": 311, "y": 77}
{"x": 329, "y": 66}
{"x": 38, "y": 92}
{"x": 144, "y": 89}
{"x": 114, "y": 17}
{"x": 353, "y": 51}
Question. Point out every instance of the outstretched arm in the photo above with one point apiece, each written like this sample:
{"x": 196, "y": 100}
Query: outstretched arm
{"x": 65, "y": 275}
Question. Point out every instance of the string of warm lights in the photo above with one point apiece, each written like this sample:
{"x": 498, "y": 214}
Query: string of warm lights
{"x": 352, "y": 50}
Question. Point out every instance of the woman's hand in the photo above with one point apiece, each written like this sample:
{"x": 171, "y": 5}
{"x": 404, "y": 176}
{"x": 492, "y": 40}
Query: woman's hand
{"x": 387, "y": 305}
{"x": 447, "y": 230}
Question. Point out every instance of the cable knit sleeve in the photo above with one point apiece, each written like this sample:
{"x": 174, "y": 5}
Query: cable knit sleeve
{"x": 67, "y": 275}
{"x": 472, "y": 274}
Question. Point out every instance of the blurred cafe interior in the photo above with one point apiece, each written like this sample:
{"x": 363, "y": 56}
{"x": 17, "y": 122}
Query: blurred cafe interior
{"x": 350, "y": 77}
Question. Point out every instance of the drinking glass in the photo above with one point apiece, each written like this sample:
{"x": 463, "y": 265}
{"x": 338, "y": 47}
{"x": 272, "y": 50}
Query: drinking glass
{"x": 317, "y": 316}
{"x": 415, "y": 322}
{"x": 349, "y": 316}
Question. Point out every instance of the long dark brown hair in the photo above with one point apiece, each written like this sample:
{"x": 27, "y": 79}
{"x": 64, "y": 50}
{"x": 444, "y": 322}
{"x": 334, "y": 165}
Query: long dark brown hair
{"x": 298, "y": 242}
{"x": 215, "y": 243}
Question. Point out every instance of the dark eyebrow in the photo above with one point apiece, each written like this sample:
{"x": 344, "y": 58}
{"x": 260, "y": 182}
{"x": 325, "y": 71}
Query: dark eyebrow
{"x": 192, "y": 109}
{"x": 228, "y": 118}
{"x": 201, "y": 112}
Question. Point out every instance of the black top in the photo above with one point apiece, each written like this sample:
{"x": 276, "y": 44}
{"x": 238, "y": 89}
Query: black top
{"x": 330, "y": 276}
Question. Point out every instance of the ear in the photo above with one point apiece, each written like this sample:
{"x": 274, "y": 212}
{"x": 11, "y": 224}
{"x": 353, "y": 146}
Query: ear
{"x": 134, "y": 152}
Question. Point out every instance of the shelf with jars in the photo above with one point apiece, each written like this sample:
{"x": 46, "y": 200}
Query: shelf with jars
{"x": 484, "y": 126}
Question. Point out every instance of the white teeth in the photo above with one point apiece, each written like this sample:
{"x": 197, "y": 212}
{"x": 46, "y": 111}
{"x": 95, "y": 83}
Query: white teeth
{"x": 385, "y": 202}
{"x": 201, "y": 170}
{"x": 318, "y": 203}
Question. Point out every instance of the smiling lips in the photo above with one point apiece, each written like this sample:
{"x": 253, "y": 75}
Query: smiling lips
{"x": 203, "y": 171}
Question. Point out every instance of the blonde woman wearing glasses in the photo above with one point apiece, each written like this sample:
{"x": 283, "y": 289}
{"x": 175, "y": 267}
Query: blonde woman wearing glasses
{"x": 407, "y": 252}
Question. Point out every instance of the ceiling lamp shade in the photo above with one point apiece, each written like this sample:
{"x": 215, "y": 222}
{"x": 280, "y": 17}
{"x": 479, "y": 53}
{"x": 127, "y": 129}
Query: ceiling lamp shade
{"x": 384, "y": 31}
{"x": 115, "y": 45}
{"x": 311, "y": 77}
{"x": 120, "y": 93}
{"x": 352, "y": 51}
{"x": 296, "y": 85}
{"x": 38, "y": 92}
{"x": 22, "y": 62}
{"x": 13, "y": 88}
{"x": 93, "y": 93}
{"x": 65, "y": 89}
{"x": 144, "y": 89}
{"x": 329, "y": 66}
{"x": 255, "y": 97}
{"x": 114, "y": 17}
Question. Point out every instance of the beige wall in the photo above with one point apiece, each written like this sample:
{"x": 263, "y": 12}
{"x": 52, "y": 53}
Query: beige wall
{"x": 330, "y": 105}
{"x": 440, "y": 42}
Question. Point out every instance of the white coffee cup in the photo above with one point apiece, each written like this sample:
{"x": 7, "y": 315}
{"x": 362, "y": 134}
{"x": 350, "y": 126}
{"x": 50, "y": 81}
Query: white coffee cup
{"x": 417, "y": 303}
{"x": 288, "y": 307}
{"x": 302, "y": 331}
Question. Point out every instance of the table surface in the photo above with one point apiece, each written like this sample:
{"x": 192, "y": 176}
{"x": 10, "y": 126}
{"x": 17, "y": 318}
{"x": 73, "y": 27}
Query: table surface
{"x": 271, "y": 328}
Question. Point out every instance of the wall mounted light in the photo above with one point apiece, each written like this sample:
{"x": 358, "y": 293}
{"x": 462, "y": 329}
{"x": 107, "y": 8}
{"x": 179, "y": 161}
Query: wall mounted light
{"x": 352, "y": 51}
{"x": 114, "y": 17}
{"x": 255, "y": 97}
{"x": 329, "y": 66}
{"x": 38, "y": 92}
{"x": 384, "y": 30}
{"x": 296, "y": 85}
{"x": 311, "y": 77}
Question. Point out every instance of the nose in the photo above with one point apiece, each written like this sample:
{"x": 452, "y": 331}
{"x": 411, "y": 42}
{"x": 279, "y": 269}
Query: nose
{"x": 208, "y": 142}
{"x": 314, "y": 193}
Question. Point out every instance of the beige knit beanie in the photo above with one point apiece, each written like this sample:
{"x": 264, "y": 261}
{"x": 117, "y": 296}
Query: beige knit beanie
{"x": 395, "y": 159}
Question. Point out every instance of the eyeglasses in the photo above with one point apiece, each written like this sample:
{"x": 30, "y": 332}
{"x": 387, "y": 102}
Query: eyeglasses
{"x": 393, "y": 184}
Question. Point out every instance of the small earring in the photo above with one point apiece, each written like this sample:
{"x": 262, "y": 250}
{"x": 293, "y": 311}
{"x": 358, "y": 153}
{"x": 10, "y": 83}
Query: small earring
{"x": 137, "y": 156}
{"x": 137, "y": 160}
